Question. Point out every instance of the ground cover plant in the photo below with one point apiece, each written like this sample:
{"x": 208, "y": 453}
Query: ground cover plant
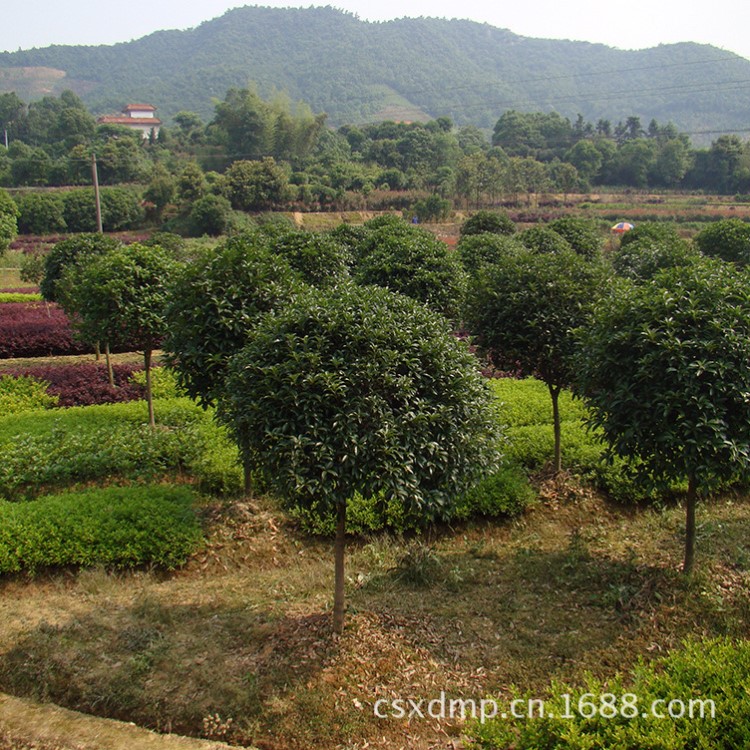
{"x": 694, "y": 697}
{"x": 111, "y": 443}
{"x": 35, "y": 329}
{"x": 114, "y": 527}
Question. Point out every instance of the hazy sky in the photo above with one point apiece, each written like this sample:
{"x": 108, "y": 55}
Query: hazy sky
{"x": 631, "y": 25}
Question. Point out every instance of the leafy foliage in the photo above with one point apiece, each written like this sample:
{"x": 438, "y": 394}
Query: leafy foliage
{"x": 477, "y": 250}
{"x": 493, "y": 222}
{"x": 581, "y": 234}
{"x": 664, "y": 369}
{"x": 360, "y": 391}
{"x": 31, "y": 329}
{"x": 701, "y": 670}
{"x": 8, "y": 220}
{"x": 412, "y": 261}
{"x": 542, "y": 239}
{"x": 728, "y": 239}
{"x": 60, "y": 448}
{"x": 67, "y": 253}
{"x": 643, "y": 259}
{"x": 23, "y": 393}
{"x": 41, "y": 213}
{"x": 117, "y": 527}
{"x": 214, "y": 303}
{"x": 319, "y": 259}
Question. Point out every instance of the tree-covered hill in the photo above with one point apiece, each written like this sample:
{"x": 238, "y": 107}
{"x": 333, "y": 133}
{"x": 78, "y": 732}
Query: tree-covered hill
{"x": 360, "y": 71}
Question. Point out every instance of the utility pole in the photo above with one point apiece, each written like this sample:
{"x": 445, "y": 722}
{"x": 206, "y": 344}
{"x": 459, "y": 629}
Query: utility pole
{"x": 95, "y": 177}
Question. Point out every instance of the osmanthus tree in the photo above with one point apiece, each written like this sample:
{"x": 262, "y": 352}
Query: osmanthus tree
{"x": 665, "y": 370}
{"x": 412, "y": 261}
{"x": 121, "y": 297}
{"x": 523, "y": 310}
{"x": 214, "y": 302}
{"x": 728, "y": 239}
{"x": 360, "y": 390}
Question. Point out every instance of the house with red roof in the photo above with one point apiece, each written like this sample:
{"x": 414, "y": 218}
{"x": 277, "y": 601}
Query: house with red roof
{"x": 139, "y": 117}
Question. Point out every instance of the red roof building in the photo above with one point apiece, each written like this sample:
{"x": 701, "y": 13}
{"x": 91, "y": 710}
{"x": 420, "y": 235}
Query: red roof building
{"x": 139, "y": 117}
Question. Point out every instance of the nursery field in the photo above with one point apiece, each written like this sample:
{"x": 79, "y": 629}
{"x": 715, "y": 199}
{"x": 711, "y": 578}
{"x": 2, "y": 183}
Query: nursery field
{"x": 146, "y": 577}
{"x": 234, "y": 642}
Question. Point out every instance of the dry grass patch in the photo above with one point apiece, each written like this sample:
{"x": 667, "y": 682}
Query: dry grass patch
{"x": 243, "y": 632}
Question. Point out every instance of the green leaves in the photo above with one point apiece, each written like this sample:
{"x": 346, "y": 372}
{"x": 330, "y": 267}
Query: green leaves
{"x": 665, "y": 370}
{"x": 360, "y": 391}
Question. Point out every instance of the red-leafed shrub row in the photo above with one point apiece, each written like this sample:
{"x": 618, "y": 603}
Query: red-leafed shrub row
{"x": 31, "y": 329}
{"x": 86, "y": 384}
{"x": 20, "y": 290}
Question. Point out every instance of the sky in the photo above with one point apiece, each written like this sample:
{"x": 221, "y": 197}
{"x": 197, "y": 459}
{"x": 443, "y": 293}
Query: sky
{"x": 633, "y": 25}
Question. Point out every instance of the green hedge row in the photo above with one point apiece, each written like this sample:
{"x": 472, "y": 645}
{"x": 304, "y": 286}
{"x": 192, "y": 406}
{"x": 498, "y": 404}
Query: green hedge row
{"x": 61, "y": 448}
{"x": 19, "y": 297}
{"x": 116, "y": 527}
{"x": 657, "y": 706}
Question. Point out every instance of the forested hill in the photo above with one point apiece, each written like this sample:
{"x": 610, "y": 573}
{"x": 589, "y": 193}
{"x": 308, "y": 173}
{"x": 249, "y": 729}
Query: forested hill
{"x": 408, "y": 69}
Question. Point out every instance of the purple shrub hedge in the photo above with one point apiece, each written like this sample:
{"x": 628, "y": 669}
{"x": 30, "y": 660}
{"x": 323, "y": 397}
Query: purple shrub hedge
{"x": 30, "y": 329}
{"x": 86, "y": 384}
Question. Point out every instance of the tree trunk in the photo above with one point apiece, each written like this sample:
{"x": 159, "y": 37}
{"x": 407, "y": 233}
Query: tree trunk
{"x": 247, "y": 470}
{"x": 110, "y": 371}
{"x": 690, "y": 503}
{"x": 149, "y": 399}
{"x": 97, "y": 352}
{"x": 338, "y": 597}
{"x": 554, "y": 392}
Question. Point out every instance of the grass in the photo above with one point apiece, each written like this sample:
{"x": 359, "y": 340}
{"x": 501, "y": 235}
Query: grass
{"x": 243, "y": 631}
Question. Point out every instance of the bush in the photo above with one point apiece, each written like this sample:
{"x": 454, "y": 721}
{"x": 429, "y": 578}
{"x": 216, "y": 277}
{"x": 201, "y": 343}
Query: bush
{"x": 506, "y": 493}
{"x": 22, "y": 393}
{"x": 657, "y": 231}
{"x": 117, "y": 526}
{"x": 87, "y": 384}
{"x": 488, "y": 221}
{"x": 110, "y": 442}
{"x": 716, "y": 670}
{"x": 728, "y": 239}
{"x": 6, "y": 297}
{"x": 210, "y": 215}
{"x": 41, "y": 213}
{"x": 582, "y": 235}
{"x": 478, "y": 250}
{"x": 543, "y": 240}
{"x": 35, "y": 330}
{"x": 643, "y": 259}
{"x": 121, "y": 209}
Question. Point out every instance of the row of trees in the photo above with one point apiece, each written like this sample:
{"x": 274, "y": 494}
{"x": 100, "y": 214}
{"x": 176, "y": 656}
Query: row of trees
{"x": 331, "y": 360}
{"x": 51, "y": 142}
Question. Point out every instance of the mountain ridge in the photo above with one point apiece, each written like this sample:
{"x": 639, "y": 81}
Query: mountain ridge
{"x": 357, "y": 71}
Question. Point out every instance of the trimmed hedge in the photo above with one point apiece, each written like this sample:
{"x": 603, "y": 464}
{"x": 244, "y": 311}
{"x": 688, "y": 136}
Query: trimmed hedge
{"x": 34, "y": 329}
{"x": 716, "y": 670}
{"x": 7, "y": 297}
{"x": 116, "y": 527}
{"x": 62, "y": 448}
{"x": 23, "y": 393}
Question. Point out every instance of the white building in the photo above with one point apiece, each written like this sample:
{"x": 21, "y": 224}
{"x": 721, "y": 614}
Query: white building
{"x": 139, "y": 117}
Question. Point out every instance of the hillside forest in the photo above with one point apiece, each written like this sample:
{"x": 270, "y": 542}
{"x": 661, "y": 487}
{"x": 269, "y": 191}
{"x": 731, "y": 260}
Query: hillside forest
{"x": 257, "y": 155}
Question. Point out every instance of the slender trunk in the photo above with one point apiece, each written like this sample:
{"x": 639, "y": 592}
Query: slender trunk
{"x": 97, "y": 352}
{"x": 247, "y": 470}
{"x": 554, "y": 392}
{"x": 149, "y": 399}
{"x": 110, "y": 370}
{"x": 690, "y": 503}
{"x": 338, "y": 597}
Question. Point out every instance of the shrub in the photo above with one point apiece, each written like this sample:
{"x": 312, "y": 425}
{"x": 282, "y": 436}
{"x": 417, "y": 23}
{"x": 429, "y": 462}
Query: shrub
{"x": 210, "y": 215}
{"x": 6, "y": 297}
{"x": 22, "y": 393}
{"x": 117, "y": 526}
{"x": 582, "y": 235}
{"x": 728, "y": 239}
{"x": 163, "y": 382}
{"x": 643, "y": 259}
{"x": 488, "y": 221}
{"x": 121, "y": 209}
{"x": 35, "y": 330}
{"x": 660, "y": 232}
{"x": 543, "y": 240}
{"x": 507, "y": 492}
{"x": 580, "y": 718}
{"x": 41, "y": 213}
{"x": 109, "y": 442}
{"x": 319, "y": 259}
{"x": 87, "y": 384}
{"x": 477, "y": 250}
